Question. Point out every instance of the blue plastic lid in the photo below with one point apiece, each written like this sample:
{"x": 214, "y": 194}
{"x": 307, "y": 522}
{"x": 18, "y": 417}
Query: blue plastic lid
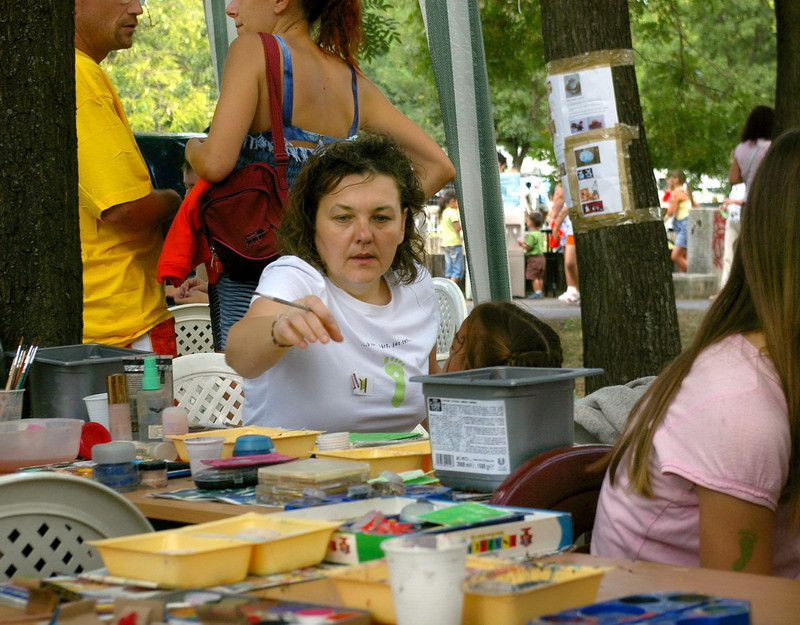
{"x": 253, "y": 444}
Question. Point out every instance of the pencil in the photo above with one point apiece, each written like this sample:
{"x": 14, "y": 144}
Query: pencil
{"x": 287, "y": 303}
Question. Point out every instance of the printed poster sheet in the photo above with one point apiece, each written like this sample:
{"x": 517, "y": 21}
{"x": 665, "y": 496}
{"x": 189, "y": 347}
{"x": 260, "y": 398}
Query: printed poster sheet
{"x": 597, "y": 168}
{"x": 582, "y": 102}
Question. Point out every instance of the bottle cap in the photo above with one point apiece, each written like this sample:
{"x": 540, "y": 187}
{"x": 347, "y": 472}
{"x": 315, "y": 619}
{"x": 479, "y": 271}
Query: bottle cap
{"x": 151, "y": 381}
{"x": 113, "y": 453}
{"x": 117, "y": 389}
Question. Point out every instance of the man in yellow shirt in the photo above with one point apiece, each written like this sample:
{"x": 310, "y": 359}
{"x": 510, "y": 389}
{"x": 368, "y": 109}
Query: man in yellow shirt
{"x": 120, "y": 212}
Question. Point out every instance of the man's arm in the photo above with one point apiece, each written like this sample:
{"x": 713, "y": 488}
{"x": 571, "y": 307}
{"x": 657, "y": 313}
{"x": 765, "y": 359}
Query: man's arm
{"x": 144, "y": 213}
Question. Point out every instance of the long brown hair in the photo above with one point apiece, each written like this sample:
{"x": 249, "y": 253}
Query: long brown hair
{"x": 761, "y": 294}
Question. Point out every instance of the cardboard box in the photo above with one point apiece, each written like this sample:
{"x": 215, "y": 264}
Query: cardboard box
{"x": 539, "y": 532}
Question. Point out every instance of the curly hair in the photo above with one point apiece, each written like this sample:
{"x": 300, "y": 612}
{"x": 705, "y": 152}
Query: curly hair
{"x": 367, "y": 154}
{"x": 339, "y": 29}
{"x": 502, "y": 333}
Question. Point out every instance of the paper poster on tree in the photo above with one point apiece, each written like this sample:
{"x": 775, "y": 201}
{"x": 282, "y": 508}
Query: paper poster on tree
{"x": 594, "y": 177}
{"x": 580, "y": 101}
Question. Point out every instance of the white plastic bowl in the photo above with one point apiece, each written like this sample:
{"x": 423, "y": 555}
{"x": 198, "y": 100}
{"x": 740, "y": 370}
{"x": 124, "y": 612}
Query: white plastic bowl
{"x": 28, "y": 442}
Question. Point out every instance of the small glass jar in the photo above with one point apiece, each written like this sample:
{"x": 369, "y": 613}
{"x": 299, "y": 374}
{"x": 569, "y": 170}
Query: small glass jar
{"x": 114, "y": 466}
{"x": 153, "y": 474}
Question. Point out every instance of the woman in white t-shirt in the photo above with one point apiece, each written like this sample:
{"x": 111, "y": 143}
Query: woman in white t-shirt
{"x": 364, "y": 319}
{"x": 707, "y": 471}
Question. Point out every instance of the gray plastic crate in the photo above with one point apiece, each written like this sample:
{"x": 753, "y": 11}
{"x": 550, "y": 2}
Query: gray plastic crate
{"x": 62, "y": 376}
{"x": 484, "y": 423}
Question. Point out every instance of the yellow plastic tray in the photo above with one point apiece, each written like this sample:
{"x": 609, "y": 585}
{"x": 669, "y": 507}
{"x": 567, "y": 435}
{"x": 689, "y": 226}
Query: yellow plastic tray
{"x": 380, "y": 459}
{"x": 176, "y": 559}
{"x": 366, "y": 587}
{"x": 297, "y": 443}
{"x": 301, "y": 542}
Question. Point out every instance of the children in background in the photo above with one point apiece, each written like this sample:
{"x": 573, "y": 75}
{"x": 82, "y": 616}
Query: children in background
{"x": 501, "y": 333}
{"x": 534, "y": 254}
{"x": 707, "y": 471}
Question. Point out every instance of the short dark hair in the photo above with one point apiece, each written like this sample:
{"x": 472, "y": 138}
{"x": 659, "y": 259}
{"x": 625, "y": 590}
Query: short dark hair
{"x": 368, "y": 154}
{"x": 537, "y": 218}
{"x": 501, "y": 159}
{"x": 760, "y": 124}
{"x": 445, "y": 198}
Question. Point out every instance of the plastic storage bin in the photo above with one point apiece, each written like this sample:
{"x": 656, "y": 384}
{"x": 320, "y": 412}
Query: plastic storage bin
{"x": 484, "y": 423}
{"x": 278, "y": 543}
{"x": 176, "y": 559}
{"x": 62, "y": 376}
{"x": 295, "y": 443}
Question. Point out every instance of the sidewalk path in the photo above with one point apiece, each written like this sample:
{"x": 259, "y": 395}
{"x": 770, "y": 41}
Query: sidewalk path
{"x": 553, "y": 308}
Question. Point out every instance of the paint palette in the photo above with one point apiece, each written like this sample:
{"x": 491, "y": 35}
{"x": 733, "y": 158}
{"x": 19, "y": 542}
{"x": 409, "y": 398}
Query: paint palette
{"x": 667, "y": 608}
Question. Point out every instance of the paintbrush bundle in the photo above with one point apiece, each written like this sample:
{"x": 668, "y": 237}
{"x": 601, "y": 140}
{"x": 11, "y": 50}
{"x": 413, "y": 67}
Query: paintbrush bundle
{"x": 20, "y": 365}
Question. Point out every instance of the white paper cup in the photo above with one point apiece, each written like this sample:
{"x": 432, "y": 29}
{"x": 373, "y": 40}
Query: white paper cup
{"x": 11, "y": 405}
{"x": 426, "y": 575}
{"x": 97, "y": 407}
{"x": 203, "y": 448}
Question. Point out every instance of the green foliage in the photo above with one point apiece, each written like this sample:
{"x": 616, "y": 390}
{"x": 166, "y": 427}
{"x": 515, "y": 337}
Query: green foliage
{"x": 380, "y": 29}
{"x": 166, "y": 80}
{"x": 701, "y": 67}
{"x": 403, "y": 71}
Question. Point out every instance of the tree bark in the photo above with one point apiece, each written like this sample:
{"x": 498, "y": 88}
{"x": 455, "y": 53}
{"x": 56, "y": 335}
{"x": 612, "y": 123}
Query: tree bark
{"x": 630, "y": 323}
{"x": 41, "y": 285}
{"x": 787, "y": 82}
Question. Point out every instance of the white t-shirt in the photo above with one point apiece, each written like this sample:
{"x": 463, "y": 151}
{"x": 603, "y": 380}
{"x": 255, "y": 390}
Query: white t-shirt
{"x": 749, "y": 155}
{"x": 384, "y": 345}
{"x": 727, "y": 430}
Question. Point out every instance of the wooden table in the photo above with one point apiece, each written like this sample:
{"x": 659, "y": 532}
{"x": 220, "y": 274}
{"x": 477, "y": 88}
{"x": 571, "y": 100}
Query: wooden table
{"x": 187, "y": 511}
{"x": 774, "y": 600}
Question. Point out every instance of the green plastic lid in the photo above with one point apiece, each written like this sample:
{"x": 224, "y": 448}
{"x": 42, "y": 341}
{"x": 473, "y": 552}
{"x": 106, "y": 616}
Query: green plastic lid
{"x": 151, "y": 380}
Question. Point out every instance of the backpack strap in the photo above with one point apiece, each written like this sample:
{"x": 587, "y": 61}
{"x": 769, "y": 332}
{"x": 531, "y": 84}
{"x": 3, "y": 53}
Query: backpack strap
{"x": 272, "y": 59}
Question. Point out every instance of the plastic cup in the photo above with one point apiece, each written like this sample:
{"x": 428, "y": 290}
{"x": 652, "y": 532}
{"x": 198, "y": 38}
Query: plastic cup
{"x": 333, "y": 440}
{"x": 97, "y": 407}
{"x": 11, "y": 405}
{"x": 203, "y": 448}
{"x": 426, "y": 575}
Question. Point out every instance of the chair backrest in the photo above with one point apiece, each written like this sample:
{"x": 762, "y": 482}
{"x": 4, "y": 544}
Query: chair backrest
{"x": 208, "y": 388}
{"x": 193, "y": 328}
{"x": 452, "y": 311}
{"x": 47, "y": 518}
{"x": 558, "y": 479}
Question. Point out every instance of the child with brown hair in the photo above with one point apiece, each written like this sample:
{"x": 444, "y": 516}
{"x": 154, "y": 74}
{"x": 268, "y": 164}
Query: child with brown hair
{"x": 501, "y": 333}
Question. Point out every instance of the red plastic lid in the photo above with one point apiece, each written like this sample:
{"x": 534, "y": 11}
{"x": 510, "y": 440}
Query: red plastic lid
{"x": 91, "y": 434}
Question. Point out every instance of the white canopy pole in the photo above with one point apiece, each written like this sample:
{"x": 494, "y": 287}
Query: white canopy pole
{"x": 455, "y": 40}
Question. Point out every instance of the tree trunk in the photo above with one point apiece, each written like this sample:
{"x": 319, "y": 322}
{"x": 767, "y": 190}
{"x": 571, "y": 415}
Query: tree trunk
{"x": 41, "y": 285}
{"x": 787, "y": 83}
{"x": 630, "y": 324}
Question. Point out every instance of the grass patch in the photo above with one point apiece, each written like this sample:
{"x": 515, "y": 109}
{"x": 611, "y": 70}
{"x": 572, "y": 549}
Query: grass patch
{"x": 572, "y": 339}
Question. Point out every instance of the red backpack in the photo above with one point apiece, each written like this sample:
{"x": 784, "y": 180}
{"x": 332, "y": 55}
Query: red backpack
{"x": 241, "y": 214}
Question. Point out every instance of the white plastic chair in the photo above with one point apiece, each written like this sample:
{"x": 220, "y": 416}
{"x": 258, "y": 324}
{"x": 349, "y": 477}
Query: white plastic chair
{"x": 452, "y": 311}
{"x": 193, "y": 328}
{"x": 47, "y": 518}
{"x": 208, "y": 389}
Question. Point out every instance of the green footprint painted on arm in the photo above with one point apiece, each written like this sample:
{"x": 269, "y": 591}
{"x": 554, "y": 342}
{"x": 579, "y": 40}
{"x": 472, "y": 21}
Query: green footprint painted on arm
{"x": 394, "y": 368}
{"x": 747, "y": 544}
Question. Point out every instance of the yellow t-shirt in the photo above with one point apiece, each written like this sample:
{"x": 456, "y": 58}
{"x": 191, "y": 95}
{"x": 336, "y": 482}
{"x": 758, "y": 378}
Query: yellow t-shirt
{"x": 121, "y": 298}
{"x": 682, "y": 211}
{"x": 449, "y": 235}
